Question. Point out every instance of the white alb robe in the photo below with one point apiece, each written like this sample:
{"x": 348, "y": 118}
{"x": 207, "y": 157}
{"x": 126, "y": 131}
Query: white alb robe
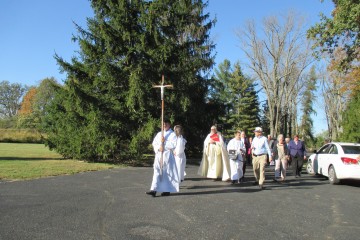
{"x": 215, "y": 160}
{"x": 168, "y": 181}
{"x": 236, "y": 165}
{"x": 180, "y": 157}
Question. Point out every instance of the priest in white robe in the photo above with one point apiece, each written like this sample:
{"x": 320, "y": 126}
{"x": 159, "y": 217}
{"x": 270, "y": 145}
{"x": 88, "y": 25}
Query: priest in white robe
{"x": 179, "y": 152}
{"x": 165, "y": 178}
{"x": 215, "y": 160}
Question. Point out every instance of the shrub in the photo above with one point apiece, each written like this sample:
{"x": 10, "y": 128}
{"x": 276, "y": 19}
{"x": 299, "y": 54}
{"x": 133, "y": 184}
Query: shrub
{"x": 11, "y": 135}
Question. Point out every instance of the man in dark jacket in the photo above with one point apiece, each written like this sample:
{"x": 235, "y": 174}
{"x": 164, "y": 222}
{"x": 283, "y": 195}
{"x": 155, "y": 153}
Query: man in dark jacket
{"x": 247, "y": 145}
{"x": 298, "y": 155}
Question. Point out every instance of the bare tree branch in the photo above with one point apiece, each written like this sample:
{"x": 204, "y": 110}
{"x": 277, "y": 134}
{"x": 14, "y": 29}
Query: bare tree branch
{"x": 278, "y": 56}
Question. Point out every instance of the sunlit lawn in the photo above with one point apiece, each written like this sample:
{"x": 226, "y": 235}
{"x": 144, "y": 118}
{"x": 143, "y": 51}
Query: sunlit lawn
{"x": 22, "y": 161}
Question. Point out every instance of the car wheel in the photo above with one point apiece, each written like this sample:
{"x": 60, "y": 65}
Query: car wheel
{"x": 309, "y": 168}
{"x": 332, "y": 176}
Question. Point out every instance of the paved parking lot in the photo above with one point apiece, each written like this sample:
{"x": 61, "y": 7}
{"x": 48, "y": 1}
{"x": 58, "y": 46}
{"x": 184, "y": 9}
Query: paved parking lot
{"x": 112, "y": 204}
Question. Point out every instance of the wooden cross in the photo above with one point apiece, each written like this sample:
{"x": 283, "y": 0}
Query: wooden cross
{"x": 162, "y": 87}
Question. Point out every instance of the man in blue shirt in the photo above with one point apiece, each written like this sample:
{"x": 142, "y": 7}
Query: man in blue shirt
{"x": 260, "y": 150}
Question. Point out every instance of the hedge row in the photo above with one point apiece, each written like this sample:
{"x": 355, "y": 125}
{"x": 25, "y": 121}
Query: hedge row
{"x": 11, "y": 135}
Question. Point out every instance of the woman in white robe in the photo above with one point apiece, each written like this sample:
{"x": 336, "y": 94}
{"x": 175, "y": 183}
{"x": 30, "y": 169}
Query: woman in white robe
{"x": 215, "y": 160}
{"x": 179, "y": 152}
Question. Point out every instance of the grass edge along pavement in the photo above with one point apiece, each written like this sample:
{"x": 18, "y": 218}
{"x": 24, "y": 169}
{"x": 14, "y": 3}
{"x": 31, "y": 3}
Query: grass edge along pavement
{"x": 20, "y": 161}
{"x": 25, "y": 161}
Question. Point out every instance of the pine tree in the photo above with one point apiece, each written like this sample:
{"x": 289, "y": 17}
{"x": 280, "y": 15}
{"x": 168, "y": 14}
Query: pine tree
{"x": 221, "y": 93}
{"x": 307, "y": 107}
{"x": 107, "y": 108}
{"x": 236, "y": 93}
{"x": 264, "y": 119}
{"x": 245, "y": 113}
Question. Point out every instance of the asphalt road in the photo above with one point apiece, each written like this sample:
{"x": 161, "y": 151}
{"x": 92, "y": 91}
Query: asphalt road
{"x": 112, "y": 204}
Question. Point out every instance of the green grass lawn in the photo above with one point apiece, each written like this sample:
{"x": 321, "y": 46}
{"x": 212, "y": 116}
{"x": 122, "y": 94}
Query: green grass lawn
{"x": 23, "y": 161}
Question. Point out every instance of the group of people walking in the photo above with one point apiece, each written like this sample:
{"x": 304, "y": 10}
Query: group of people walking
{"x": 224, "y": 161}
{"x": 227, "y": 162}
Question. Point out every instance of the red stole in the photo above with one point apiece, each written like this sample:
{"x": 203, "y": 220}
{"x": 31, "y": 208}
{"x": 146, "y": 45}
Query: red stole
{"x": 215, "y": 137}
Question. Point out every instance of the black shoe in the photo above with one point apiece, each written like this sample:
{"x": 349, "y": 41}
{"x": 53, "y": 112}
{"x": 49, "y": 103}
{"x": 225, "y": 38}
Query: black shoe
{"x": 152, "y": 193}
{"x": 255, "y": 183}
{"x": 165, "y": 194}
{"x": 233, "y": 181}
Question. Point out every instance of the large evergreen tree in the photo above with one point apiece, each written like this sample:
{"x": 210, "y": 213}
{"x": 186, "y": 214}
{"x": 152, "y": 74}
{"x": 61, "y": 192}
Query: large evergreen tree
{"x": 107, "y": 107}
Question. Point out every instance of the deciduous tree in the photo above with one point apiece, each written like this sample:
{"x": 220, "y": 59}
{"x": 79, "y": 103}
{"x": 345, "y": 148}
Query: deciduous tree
{"x": 337, "y": 37}
{"x": 35, "y": 102}
{"x": 10, "y": 98}
{"x": 278, "y": 57}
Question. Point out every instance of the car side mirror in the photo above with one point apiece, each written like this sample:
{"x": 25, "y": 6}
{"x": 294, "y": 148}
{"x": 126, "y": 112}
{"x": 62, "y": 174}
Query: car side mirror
{"x": 315, "y": 151}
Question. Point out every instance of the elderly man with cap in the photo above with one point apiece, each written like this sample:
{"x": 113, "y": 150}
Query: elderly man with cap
{"x": 260, "y": 149}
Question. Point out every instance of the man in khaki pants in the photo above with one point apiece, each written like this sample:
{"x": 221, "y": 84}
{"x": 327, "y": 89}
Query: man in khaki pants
{"x": 260, "y": 149}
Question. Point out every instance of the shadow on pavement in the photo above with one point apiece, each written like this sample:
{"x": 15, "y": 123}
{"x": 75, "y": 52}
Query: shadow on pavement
{"x": 232, "y": 190}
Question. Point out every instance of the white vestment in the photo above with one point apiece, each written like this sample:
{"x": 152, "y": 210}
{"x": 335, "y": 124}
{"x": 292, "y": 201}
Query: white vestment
{"x": 167, "y": 179}
{"x": 236, "y": 164}
{"x": 215, "y": 160}
{"x": 180, "y": 157}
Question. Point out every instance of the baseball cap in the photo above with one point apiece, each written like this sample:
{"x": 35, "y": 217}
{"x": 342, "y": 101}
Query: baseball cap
{"x": 258, "y": 129}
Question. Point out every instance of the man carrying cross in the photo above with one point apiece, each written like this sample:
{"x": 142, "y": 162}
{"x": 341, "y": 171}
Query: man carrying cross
{"x": 166, "y": 177}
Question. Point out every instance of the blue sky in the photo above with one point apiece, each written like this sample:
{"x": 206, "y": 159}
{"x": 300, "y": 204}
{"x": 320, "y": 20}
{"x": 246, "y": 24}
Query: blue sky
{"x": 32, "y": 31}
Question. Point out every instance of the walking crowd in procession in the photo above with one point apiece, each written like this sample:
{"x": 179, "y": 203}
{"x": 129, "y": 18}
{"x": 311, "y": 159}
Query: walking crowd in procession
{"x": 224, "y": 161}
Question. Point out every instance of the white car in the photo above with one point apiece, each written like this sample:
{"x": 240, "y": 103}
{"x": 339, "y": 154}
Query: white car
{"x": 336, "y": 160}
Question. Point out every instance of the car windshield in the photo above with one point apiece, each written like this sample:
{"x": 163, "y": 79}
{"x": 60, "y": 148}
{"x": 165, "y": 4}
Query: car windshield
{"x": 351, "y": 149}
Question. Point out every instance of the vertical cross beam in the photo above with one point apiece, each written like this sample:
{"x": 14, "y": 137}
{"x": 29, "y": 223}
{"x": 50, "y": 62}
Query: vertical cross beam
{"x": 162, "y": 88}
